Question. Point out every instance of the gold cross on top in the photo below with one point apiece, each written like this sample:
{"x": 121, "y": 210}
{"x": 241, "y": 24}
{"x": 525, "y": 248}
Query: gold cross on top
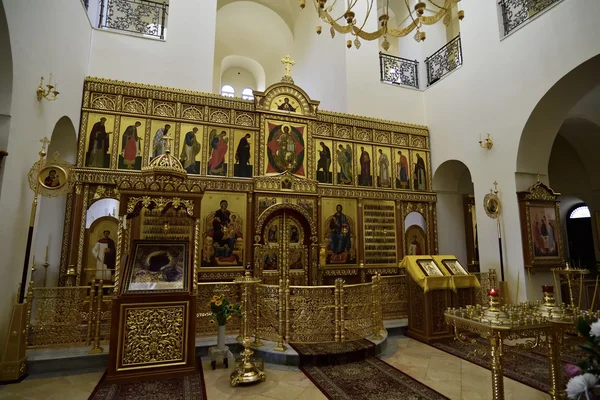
{"x": 288, "y": 64}
{"x": 167, "y": 140}
{"x": 495, "y": 187}
{"x": 44, "y": 143}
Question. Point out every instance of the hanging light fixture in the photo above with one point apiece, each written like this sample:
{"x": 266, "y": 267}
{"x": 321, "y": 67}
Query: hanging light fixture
{"x": 346, "y": 23}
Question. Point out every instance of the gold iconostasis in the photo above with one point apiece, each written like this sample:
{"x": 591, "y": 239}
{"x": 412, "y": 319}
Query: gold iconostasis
{"x": 281, "y": 183}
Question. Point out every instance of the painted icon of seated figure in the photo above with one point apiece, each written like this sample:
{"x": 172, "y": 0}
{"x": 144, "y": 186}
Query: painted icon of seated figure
{"x": 223, "y": 241}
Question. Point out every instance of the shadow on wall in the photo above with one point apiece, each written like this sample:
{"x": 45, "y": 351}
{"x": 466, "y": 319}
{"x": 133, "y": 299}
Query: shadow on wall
{"x": 6, "y": 83}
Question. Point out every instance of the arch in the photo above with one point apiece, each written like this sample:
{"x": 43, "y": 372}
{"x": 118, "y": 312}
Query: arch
{"x": 545, "y": 120}
{"x": 453, "y": 176}
{"x": 64, "y": 140}
{"x": 52, "y": 210}
{"x": 233, "y": 38}
{"x": 266, "y": 215}
{"x": 453, "y": 184}
{"x": 579, "y": 211}
{"x": 248, "y": 64}
{"x": 106, "y": 207}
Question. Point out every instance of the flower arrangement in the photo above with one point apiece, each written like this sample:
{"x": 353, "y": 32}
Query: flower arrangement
{"x": 222, "y": 310}
{"x": 584, "y": 382}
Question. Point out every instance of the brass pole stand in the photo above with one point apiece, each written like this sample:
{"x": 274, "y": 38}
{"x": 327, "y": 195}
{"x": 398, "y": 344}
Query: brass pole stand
{"x": 13, "y": 367}
{"x": 246, "y": 371}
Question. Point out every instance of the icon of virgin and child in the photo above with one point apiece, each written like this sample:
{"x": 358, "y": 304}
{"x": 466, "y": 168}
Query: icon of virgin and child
{"x": 225, "y": 232}
{"x": 340, "y": 237}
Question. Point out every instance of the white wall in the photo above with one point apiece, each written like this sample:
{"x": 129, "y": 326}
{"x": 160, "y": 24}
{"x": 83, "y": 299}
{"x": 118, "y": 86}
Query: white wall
{"x": 254, "y": 31}
{"x": 496, "y": 91}
{"x": 367, "y": 95}
{"x": 184, "y": 60}
{"x": 46, "y": 37}
{"x": 320, "y": 62}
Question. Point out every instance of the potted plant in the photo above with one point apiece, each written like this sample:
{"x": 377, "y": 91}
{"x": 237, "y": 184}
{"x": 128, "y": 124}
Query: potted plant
{"x": 221, "y": 312}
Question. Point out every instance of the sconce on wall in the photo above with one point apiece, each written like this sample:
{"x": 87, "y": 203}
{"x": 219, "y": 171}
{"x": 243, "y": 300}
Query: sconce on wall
{"x": 487, "y": 143}
{"x": 50, "y": 93}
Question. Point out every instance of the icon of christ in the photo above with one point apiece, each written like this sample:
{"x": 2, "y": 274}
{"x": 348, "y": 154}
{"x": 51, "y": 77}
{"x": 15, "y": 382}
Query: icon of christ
{"x": 285, "y": 149}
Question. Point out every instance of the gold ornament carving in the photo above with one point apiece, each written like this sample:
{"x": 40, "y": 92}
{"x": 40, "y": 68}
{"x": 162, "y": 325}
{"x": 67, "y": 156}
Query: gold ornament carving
{"x": 164, "y": 109}
{"x": 244, "y": 119}
{"x": 382, "y": 137}
{"x": 343, "y": 132}
{"x": 160, "y": 203}
{"x": 418, "y": 141}
{"x": 323, "y": 129}
{"x": 153, "y": 335}
{"x": 371, "y": 123}
{"x": 192, "y": 113}
{"x": 399, "y": 139}
{"x": 362, "y": 134}
{"x": 218, "y": 116}
{"x": 103, "y": 102}
{"x": 134, "y": 106}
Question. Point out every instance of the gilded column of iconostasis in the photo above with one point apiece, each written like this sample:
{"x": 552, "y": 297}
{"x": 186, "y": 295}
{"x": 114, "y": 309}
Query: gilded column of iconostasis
{"x": 287, "y": 189}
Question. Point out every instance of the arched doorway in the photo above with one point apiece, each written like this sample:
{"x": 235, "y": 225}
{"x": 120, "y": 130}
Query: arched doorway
{"x": 284, "y": 247}
{"x": 457, "y": 224}
{"x": 580, "y": 237}
{"x": 51, "y": 217}
{"x": 554, "y": 149}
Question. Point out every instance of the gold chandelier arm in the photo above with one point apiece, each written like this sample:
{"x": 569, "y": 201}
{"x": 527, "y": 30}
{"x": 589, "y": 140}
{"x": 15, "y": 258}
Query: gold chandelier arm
{"x": 430, "y": 20}
{"x": 339, "y": 28}
{"x": 402, "y": 32}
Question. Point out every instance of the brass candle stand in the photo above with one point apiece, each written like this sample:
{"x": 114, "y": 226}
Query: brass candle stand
{"x": 570, "y": 275}
{"x": 534, "y": 319}
{"x": 246, "y": 371}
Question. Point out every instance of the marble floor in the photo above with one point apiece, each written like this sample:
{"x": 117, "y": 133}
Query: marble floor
{"x": 449, "y": 375}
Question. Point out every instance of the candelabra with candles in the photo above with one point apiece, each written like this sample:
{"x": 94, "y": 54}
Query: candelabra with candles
{"x": 246, "y": 371}
{"x": 50, "y": 93}
{"x": 531, "y": 319}
{"x": 570, "y": 275}
{"x": 486, "y": 143}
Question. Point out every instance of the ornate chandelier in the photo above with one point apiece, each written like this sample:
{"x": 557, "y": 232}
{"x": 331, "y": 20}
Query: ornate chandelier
{"x": 356, "y": 29}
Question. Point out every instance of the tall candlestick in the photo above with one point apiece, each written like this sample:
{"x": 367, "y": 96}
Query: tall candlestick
{"x": 580, "y": 289}
{"x": 531, "y": 284}
{"x": 594, "y": 297}
{"x": 46, "y": 253}
{"x": 518, "y": 279}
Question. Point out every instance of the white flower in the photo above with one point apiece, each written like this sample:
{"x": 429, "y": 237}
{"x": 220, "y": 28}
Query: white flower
{"x": 595, "y": 329}
{"x": 580, "y": 384}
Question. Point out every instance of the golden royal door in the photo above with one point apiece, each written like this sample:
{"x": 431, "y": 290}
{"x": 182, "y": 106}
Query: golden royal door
{"x": 284, "y": 252}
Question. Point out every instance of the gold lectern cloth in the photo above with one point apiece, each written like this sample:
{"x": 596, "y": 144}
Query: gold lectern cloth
{"x": 426, "y": 282}
{"x": 458, "y": 281}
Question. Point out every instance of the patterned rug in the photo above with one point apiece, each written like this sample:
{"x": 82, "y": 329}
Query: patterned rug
{"x": 529, "y": 368}
{"x": 369, "y": 379}
{"x": 183, "y": 388}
